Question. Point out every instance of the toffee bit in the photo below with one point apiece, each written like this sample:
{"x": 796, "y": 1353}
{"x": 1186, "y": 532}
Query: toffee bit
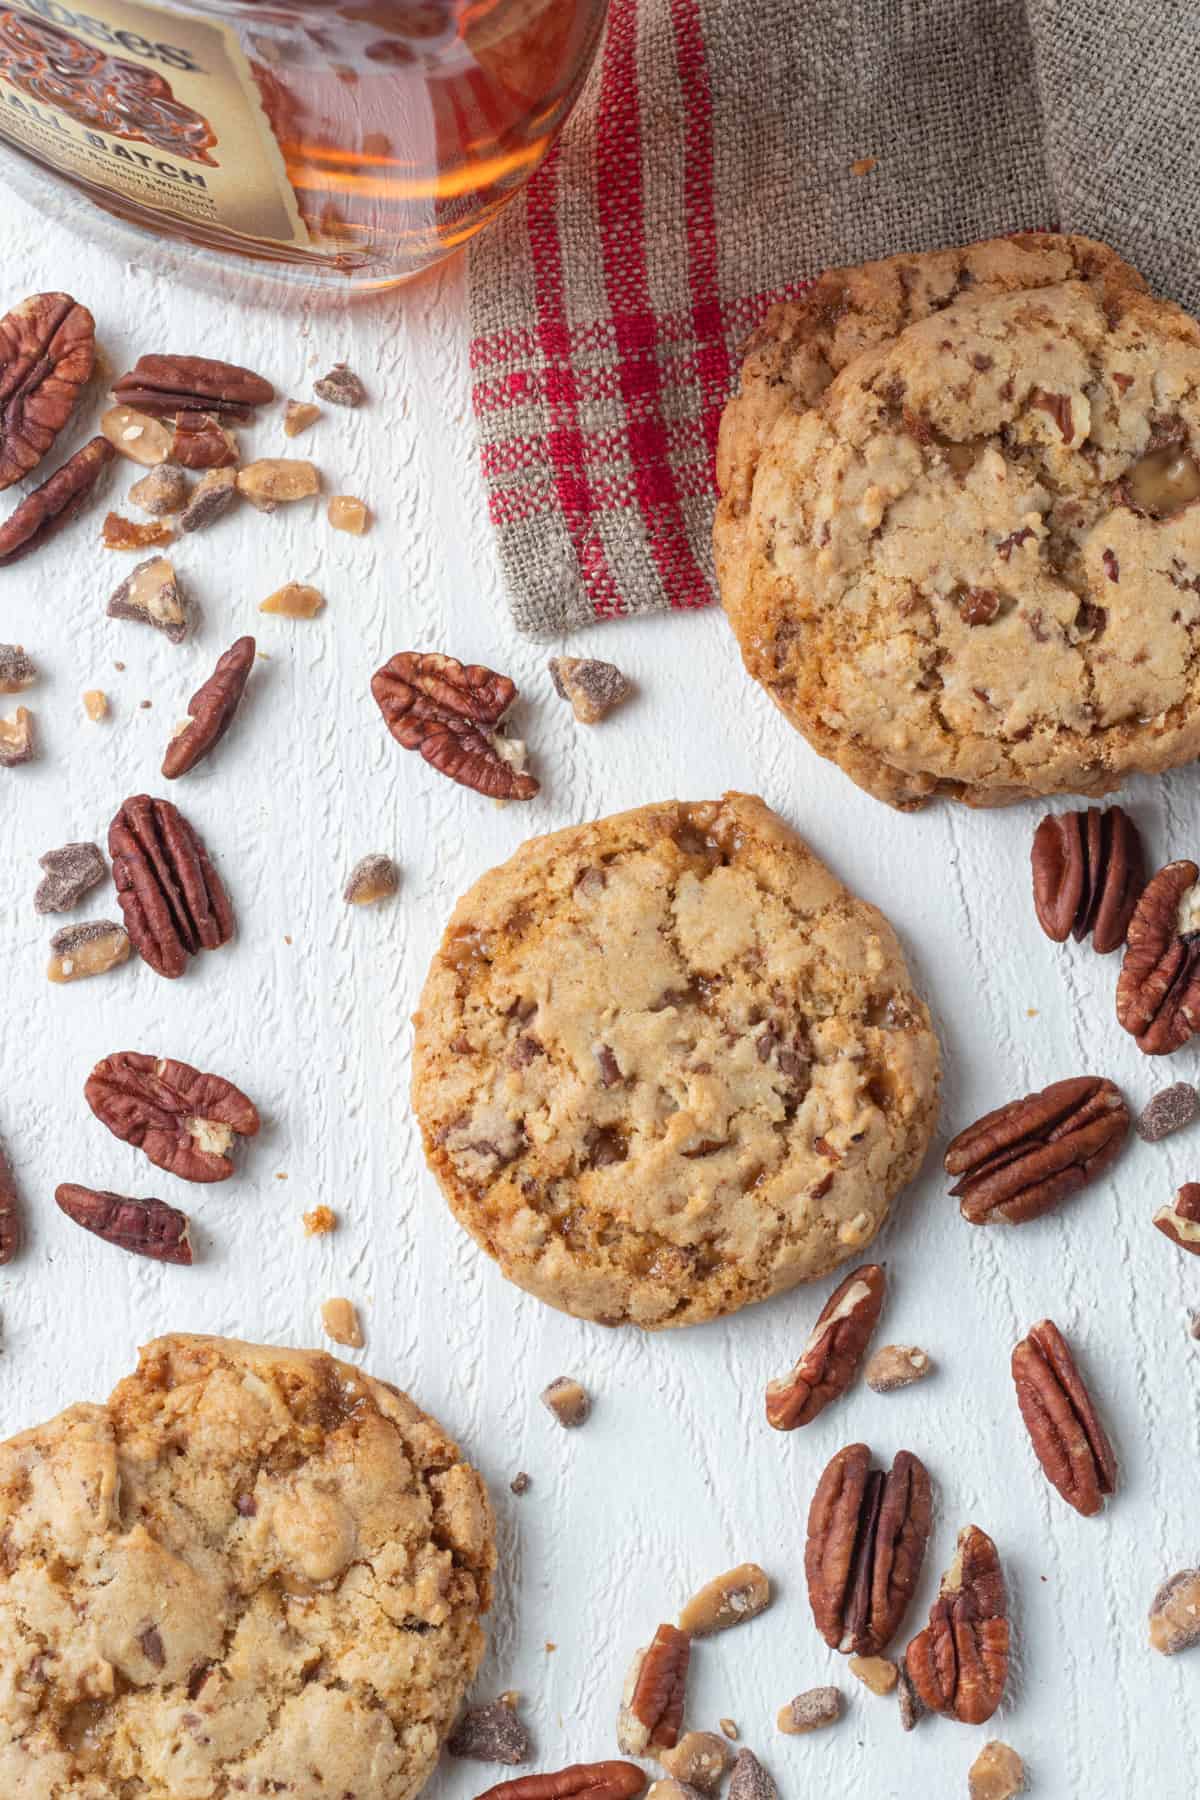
{"x": 372, "y": 878}
{"x": 17, "y": 739}
{"x": 294, "y": 601}
{"x": 341, "y": 387}
{"x": 520, "y": 1483}
{"x": 320, "y": 1221}
{"x": 95, "y": 704}
{"x": 129, "y": 534}
{"x": 212, "y": 497}
{"x": 750, "y": 1780}
{"x": 568, "y": 1400}
{"x": 492, "y": 1733}
{"x": 1170, "y": 1110}
{"x": 162, "y": 492}
{"x": 340, "y": 1320}
{"x": 592, "y": 687}
{"x": 348, "y": 514}
{"x": 298, "y": 416}
{"x": 809, "y": 1711}
{"x": 17, "y": 671}
{"x": 91, "y": 948}
{"x": 70, "y": 873}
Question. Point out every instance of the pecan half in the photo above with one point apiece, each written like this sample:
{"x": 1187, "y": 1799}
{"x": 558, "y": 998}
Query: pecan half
{"x": 959, "y": 1663}
{"x": 202, "y": 442}
{"x": 211, "y": 709}
{"x": 1088, "y": 875}
{"x": 171, "y": 897}
{"x": 44, "y": 512}
{"x": 1181, "y": 1222}
{"x": 1068, "y": 1438}
{"x": 47, "y": 348}
{"x": 10, "y": 1213}
{"x": 866, "y": 1541}
{"x": 829, "y": 1359}
{"x": 596, "y": 1781}
{"x": 172, "y": 384}
{"x": 658, "y": 1687}
{"x": 449, "y": 711}
{"x": 183, "y": 1120}
{"x": 1016, "y": 1163}
{"x": 146, "y": 1227}
{"x": 1158, "y": 989}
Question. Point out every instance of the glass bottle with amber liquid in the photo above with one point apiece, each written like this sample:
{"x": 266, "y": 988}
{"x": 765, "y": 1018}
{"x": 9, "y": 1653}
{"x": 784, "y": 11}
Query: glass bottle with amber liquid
{"x": 346, "y": 144}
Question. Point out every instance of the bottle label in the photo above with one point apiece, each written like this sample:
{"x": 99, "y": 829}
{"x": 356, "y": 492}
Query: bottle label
{"x": 157, "y": 106}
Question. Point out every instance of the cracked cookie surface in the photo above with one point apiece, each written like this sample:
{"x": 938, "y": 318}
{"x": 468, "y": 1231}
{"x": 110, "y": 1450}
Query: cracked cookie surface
{"x": 973, "y": 568}
{"x": 666, "y": 1064}
{"x": 253, "y": 1570}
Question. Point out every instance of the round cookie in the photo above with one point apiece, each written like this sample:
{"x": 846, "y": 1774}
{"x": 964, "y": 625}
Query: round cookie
{"x": 253, "y": 1571}
{"x": 973, "y": 568}
{"x": 666, "y": 1064}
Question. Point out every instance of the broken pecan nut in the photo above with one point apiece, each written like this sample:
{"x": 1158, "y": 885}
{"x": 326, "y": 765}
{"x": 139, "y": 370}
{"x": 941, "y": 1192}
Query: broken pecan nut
{"x": 146, "y": 1227}
{"x": 449, "y": 711}
{"x": 47, "y": 349}
{"x": 658, "y": 1688}
{"x": 172, "y": 898}
{"x": 1088, "y": 875}
{"x": 1158, "y": 989}
{"x": 728, "y": 1599}
{"x": 1016, "y": 1163}
{"x": 183, "y": 1120}
{"x": 1181, "y": 1222}
{"x": 202, "y": 442}
{"x": 173, "y": 384}
{"x": 594, "y": 1781}
{"x": 866, "y": 1540}
{"x": 830, "y": 1358}
{"x": 10, "y": 1212}
{"x": 44, "y": 512}
{"x": 959, "y": 1663}
{"x": 1068, "y": 1438}
{"x": 211, "y": 709}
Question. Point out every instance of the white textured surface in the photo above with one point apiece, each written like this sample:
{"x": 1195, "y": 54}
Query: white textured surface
{"x": 677, "y": 1475}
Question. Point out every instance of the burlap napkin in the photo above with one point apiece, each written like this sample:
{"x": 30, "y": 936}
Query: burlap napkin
{"x": 724, "y": 152}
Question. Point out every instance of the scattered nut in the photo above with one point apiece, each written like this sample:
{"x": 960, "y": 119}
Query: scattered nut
{"x": 172, "y": 383}
{"x": 94, "y": 948}
{"x": 372, "y": 878}
{"x": 298, "y": 416}
{"x": 450, "y": 712}
{"x": 341, "y": 387}
{"x": 70, "y": 873}
{"x": 184, "y": 1120}
{"x": 593, "y": 688}
{"x": 17, "y": 741}
{"x": 652, "y": 1699}
{"x": 750, "y": 1780}
{"x": 152, "y": 595}
{"x": 699, "y": 1760}
{"x": 17, "y": 671}
{"x": 1170, "y": 1110}
{"x": 996, "y": 1774}
{"x": 136, "y": 435}
{"x": 878, "y": 1673}
{"x": 568, "y": 1401}
{"x": 590, "y": 1781}
{"x": 95, "y": 704}
{"x": 45, "y": 512}
{"x": 146, "y": 1227}
{"x": 1175, "y": 1613}
{"x": 294, "y": 601}
{"x": 490, "y": 1733}
{"x": 830, "y": 1358}
{"x": 959, "y": 1663}
{"x": 340, "y": 1320}
{"x": 348, "y": 514}
{"x": 810, "y": 1711}
{"x": 1019, "y": 1161}
{"x": 896, "y": 1366}
{"x": 1181, "y": 1222}
{"x": 210, "y": 711}
{"x": 728, "y": 1599}
{"x": 202, "y": 442}
{"x": 1068, "y": 1438}
{"x": 128, "y": 534}
{"x": 520, "y": 1483}
{"x": 320, "y": 1221}
{"x": 276, "y": 480}
{"x": 211, "y": 499}
{"x": 162, "y": 492}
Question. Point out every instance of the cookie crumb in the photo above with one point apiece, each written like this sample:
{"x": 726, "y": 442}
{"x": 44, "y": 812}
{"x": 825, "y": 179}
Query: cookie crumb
{"x": 896, "y": 1366}
{"x": 95, "y": 704}
{"x": 491, "y": 1733}
{"x": 996, "y": 1774}
{"x": 568, "y": 1400}
{"x": 810, "y": 1711}
{"x": 592, "y": 687}
{"x": 340, "y": 1320}
{"x": 520, "y": 1483}
{"x": 1170, "y": 1110}
{"x": 320, "y": 1221}
{"x": 878, "y": 1673}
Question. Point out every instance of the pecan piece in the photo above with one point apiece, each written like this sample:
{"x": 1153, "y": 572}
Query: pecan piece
{"x": 449, "y": 711}
{"x": 172, "y": 384}
{"x": 171, "y": 897}
{"x": 728, "y": 1599}
{"x": 151, "y": 595}
{"x": 146, "y": 1227}
{"x": 492, "y": 1733}
{"x": 183, "y": 1120}
{"x": 1181, "y": 1222}
{"x": 47, "y": 348}
{"x": 1158, "y": 989}
{"x": 70, "y": 873}
{"x": 202, "y": 442}
{"x": 1016, "y": 1163}
{"x": 10, "y": 1212}
{"x": 652, "y": 1706}
{"x": 866, "y": 1540}
{"x": 831, "y": 1356}
{"x": 594, "y": 1781}
{"x": 1068, "y": 1438}
{"x": 211, "y": 709}
{"x": 959, "y": 1663}
{"x": 1088, "y": 875}
{"x": 43, "y": 513}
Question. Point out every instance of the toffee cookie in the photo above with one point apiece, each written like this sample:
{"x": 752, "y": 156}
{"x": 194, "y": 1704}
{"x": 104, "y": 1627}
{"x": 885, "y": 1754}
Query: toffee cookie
{"x": 973, "y": 568}
{"x": 252, "y": 1571}
{"x": 666, "y": 1064}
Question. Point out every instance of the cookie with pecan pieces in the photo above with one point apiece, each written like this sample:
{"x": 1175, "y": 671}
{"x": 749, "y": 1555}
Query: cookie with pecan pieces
{"x": 666, "y": 1065}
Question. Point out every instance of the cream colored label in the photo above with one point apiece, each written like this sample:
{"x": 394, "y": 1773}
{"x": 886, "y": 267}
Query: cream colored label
{"x": 158, "y": 106}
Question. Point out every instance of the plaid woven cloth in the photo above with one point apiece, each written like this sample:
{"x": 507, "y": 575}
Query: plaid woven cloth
{"x": 725, "y": 152}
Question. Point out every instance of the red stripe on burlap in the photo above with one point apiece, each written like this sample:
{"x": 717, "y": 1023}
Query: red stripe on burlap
{"x": 712, "y": 350}
{"x": 564, "y": 441}
{"x": 620, "y": 197}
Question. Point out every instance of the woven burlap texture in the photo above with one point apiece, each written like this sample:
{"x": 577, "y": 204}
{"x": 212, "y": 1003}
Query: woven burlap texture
{"x": 716, "y": 160}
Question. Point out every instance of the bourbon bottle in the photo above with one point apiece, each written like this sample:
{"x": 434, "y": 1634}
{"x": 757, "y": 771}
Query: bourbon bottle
{"x": 345, "y": 143}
